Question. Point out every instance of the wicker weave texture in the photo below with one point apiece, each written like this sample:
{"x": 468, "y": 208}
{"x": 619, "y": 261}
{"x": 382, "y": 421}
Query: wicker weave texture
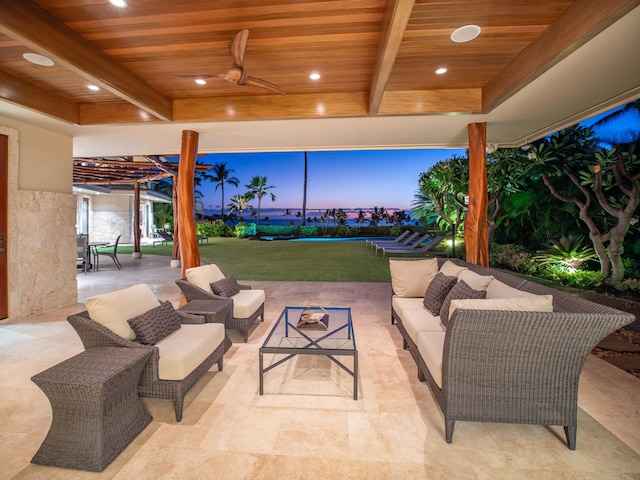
{"x": 244, "y": 325}
{"x": 96, "y": 411}
{"x": 517, "y": 367}
{"x": 93, "y": 334}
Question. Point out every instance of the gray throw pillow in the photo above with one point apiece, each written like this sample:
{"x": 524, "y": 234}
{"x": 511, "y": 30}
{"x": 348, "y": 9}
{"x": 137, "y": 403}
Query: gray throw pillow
{"x": 437, "y": 291}
{"x": 156, "y": 324}
{"x": 227, "y": 287}
{"x": 460, "y": 290}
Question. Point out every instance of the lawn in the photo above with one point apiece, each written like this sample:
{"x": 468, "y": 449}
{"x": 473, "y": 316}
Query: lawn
{"x": 289, "y": 261}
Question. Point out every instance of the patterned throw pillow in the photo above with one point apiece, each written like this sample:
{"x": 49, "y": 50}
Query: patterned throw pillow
{"x": 459, "y": 290}
{"x": 227, "y": 287}
{"x": 437, "y": 291}
{"x": 156, "y": 324}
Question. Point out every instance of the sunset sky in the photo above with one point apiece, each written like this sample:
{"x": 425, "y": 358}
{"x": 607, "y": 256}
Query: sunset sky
{"x": 343, "y": 179}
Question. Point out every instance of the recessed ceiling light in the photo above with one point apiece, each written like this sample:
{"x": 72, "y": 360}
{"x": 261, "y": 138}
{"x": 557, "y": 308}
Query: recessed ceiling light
{"x": 201, "y": 81}
{"x": 38, "y": 59}
{"x": 95, "y": 88}
{"x": 465, "y": 34}
{"x": 314, "y": 76}
{"x": 442, "y": 70}
{"x": 118, "y": 3}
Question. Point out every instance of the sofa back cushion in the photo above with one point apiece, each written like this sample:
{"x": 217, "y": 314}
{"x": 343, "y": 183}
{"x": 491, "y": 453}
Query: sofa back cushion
{"x": 475, "y": 280}
{"x": 410, "y": 278}
{"x": 498, "y": 289}
{"x": 113, "y": 309}
{"x": 437, "y": 291}
{"x": 450, "y": 269}
{"x": 460, "y": 290}
{"x": 533, "y": 303}
{"x": 204, "y": 275}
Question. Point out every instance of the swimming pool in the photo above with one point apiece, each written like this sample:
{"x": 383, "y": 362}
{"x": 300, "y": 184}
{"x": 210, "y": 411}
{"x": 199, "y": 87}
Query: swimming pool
{"x": 327, "y": 239}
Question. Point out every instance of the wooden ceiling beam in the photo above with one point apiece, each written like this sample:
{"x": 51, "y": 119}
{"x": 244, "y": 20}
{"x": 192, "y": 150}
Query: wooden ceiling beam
{"x": 396, "y": 20}
{"x": 22, "y": 93}
{"x": 582, "y": 21}
{"x": 35, "y": 28}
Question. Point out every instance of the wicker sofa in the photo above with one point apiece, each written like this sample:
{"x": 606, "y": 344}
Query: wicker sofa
{"x": 514, "y": 356}
{"x": 176, "y": 363}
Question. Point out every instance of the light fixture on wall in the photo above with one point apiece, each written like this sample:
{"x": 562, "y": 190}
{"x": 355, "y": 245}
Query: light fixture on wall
{"x": 491, "y": 147}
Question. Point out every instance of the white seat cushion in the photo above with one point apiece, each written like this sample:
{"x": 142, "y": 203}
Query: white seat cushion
{"x": 113, "y": 309}
{"x": 431, "y": 348}
{"x": 204, "y": 275}
{"x": 401, "y": 304}
{"x": 416, "y": 321}
{"x": 246, "y": 302}
{"x": 186, "y": 348}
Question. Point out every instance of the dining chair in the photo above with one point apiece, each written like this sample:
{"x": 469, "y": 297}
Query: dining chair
{"x": 112, "y": 253}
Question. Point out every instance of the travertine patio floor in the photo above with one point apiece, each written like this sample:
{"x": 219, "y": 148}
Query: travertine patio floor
{"x": 307, "y": 424}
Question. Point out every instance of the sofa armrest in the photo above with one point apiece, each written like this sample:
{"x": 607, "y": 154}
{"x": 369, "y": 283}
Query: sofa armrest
{"x": 244, "y": 287}
{"x": 190, "y": 318}
{"x": 518, "y": 360}
{"x": 94, "y": 334}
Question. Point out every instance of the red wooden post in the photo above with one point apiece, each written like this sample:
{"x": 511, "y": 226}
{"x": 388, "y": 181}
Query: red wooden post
{"x": 189, "y": 253}
{"x": 476, "y": 237}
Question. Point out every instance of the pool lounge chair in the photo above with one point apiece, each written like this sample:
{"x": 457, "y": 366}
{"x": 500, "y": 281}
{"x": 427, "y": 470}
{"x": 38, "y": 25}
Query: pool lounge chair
{"x": 402, "y": 243}
{"x": 411, "y": 244}
{"x": 417, "y": 249}
{"x": 397, "y": 240}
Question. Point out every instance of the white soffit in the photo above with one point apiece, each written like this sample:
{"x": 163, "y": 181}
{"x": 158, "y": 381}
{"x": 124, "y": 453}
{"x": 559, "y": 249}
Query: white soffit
{"x": 601, "y": 75}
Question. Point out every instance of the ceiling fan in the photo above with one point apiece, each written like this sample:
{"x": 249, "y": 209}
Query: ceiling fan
{"x": 236, "y": 74}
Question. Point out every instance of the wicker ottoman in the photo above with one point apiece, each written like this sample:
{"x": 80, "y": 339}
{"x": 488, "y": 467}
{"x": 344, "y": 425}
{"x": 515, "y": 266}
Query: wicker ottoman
{"x": 95, "y": 406}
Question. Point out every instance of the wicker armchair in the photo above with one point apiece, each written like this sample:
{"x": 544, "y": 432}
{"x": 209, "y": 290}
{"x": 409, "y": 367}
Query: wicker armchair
{"x": 245, "y": 325}
{"x": 94, "y": 334}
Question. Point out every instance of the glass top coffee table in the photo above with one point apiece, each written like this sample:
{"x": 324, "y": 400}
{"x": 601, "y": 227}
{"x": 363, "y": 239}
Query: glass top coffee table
{"x": 290, "y": 339}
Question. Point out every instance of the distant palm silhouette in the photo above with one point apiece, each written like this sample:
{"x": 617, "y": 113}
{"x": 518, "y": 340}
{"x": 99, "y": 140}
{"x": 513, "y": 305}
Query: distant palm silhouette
{"x": 221, "y": 176}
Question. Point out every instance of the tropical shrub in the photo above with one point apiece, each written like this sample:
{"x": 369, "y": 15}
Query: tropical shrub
{"x": 567, "y": 251}
{"x": 309, "y": 231}
{"x": 215, "y": 229}
{"x": 573, "y": 278}
{"x": 243, "y": 230}
{"x": 344, "y": 231}
{"x": 511, "y": 257}
{"x": 285, "y": 230}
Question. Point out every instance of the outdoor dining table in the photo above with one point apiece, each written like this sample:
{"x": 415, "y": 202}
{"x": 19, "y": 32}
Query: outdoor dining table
{"x": 92, "y": 248}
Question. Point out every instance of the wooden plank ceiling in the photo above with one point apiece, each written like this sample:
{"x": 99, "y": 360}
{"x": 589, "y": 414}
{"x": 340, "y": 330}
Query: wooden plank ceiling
{"x": 375, "y": 57}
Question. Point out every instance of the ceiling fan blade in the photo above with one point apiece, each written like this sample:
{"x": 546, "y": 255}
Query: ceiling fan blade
{"x": 238, "y": 47}
{"x": 257, "y": 82}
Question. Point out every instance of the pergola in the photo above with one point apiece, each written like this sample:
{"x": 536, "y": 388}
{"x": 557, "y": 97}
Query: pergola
{"x": 134, "y": 172}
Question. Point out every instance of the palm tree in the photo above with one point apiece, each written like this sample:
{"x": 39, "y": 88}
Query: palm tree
{"x": 239, "y": 203}
{"x": 304, "y": 190}
{"x": 221, "y": 176}
{"x": 258, "y": 188}
{"x": 361, "y": 218}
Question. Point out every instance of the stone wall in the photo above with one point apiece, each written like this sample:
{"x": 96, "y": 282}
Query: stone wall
{"x": 45, "y": 248}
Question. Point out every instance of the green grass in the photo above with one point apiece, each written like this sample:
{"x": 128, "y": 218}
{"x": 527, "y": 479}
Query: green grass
{"x": 289, "y": 261}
